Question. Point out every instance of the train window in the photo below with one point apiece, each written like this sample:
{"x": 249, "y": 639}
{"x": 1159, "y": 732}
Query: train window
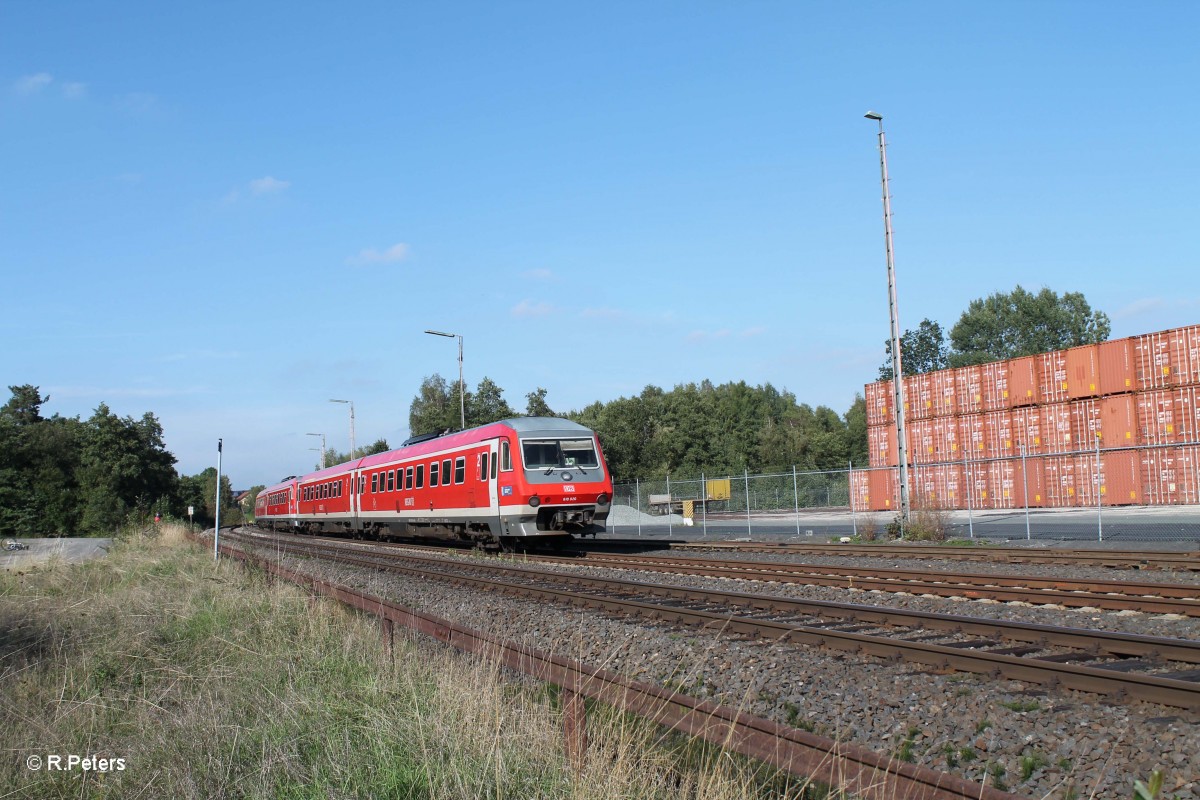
{"x": 362, "y": 483}
{"x": 460, "y": 469}
{"x": 374, "y": 482}
{"x": 495, "y": 463}
{"x": 446, "y": 472}
{"x": 338, "y": 491}
{"x": 433, "y": 473}
{"x": 392, "y": 480}
{"x": 505, "y": 456}
{"x": 408, "y": 478}
{"x": 420, "y": 475}
{"x": 483, "y": 459}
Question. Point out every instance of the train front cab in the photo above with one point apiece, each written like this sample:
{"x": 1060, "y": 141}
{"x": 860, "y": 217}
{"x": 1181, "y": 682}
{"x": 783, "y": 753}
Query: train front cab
{"x": 553, "y": 482}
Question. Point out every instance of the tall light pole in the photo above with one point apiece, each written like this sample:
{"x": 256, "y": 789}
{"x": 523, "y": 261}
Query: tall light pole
{"x": 351, "y": 402}
{"x": 217, "y": 522}
{"x": 322, "y": 447}
{"x": 462, "y": 387}
{"x": 894, "y": 312}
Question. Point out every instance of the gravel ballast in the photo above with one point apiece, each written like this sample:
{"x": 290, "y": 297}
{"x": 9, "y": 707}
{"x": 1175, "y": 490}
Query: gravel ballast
{"x": 1030, "y": 740}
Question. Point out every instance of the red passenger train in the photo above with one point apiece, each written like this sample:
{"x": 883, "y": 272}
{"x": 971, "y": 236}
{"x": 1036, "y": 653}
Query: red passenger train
{"x": 518, "y": 478}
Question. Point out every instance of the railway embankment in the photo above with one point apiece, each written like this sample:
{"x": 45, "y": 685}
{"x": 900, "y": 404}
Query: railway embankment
{"x": 154, "y": 672}
{"x": 1033, "y": 740}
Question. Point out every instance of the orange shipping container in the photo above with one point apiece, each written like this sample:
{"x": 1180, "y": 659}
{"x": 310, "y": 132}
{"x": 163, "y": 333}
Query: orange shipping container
{"x": 1183, "y": 345}
{"x": 997, "y": 434}
{"x": 883, "y": 489}
{"x": 1029, "y": 481}
{"x": 1085, "y": 423}
{"x": 1023, "y": 382}
{"x": 994, "y": 380}
{"x": 1122, "y": 478}
{"x": 1188, "y": 474}
{"x": 918, "y": 396}
{"x": 1056, "y": 429}
{"x": 937, "y": 487}
{"x": 1052, "y": 376}
{"x": 1166, "y": 416}
{"x": 879, "y": 403}
{"x": 945, "y": 439}
{"x": 922, "y": 448}
{"x": 944, "y": 392}
{"x": 971, "y": 436}
{"x": 1083, "y": 371}
{"x": 1117, "y": 374}
{"x": 881, "y": 446}
{"x": 1152, "y": 360}
{"x": 1061, "y": 491}
{"x": 975, "y": 484}
{"x": 1119, "y": 421}
{"x": 1001, "y": 479}
{"x": 860, "y": 490}
{"x": 1162, "y": 476}
{"x": 968, "y": 389}
{"x": 1027, "y": 430}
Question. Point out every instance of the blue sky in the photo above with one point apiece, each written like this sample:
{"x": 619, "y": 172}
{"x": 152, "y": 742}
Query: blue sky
{"x": 229, "y": 213}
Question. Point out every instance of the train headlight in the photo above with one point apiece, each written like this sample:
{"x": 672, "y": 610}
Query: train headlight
{"x": 534, "y": 501}
{"x": 601, "y": 499}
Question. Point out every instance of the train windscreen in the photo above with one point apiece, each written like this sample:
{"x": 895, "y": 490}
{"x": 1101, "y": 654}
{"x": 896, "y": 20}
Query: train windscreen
{"x": 559, "y": 453}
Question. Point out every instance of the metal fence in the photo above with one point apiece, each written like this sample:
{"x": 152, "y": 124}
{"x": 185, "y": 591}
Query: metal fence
{"x": 818, "y": 505}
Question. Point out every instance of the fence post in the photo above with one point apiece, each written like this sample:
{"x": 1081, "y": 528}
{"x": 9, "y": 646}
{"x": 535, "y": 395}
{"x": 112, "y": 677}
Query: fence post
{"x": 749, "y": 527}
{"x": 703, "y": 506}
{"x": 796, "y": 494}
{"x": 1025, "y": 482}
{"x": 574, "y": 728}
{"x": 637, "y": 487}
{"x": 850, "y": 492}
{"x": 386, "y": 630}
{"x": 967, "y": 478}
{"x": 670, "y": 502}
{"x": 1099, "y": 494}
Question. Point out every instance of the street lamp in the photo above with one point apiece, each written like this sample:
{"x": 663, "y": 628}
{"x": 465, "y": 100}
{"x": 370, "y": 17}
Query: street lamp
{"x": 351, "y": 402}
{"x": 894, "y": 312}
{"x": 462, "y": 390}
{"x": 322, "y": 447}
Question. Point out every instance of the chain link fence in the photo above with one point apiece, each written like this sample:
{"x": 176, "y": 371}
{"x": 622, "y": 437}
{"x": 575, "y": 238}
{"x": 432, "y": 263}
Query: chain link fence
{"x": 1120, "y": 494}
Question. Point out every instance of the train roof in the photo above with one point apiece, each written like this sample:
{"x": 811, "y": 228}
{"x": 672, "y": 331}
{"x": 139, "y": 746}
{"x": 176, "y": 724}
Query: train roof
{"x": 420, "y": 445}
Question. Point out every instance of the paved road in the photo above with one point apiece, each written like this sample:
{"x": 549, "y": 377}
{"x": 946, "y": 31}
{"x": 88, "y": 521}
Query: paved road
{"x": 69, "y": 550}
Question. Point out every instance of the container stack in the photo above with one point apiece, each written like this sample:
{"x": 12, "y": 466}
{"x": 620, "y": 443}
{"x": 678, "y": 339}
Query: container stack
{"x": 1116, "y": 423}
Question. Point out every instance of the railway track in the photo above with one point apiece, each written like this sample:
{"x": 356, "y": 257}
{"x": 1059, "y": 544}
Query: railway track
{"x": 1154, "y": 669}
{"x": 1148, "y": 597}
{"x": 1114, "y": 559}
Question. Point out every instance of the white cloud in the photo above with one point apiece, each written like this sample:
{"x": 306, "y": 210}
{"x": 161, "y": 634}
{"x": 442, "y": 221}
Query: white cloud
{"x": 138, "y": 101}
{"x": 539, "y": 274}
{"x": 32, "y": 84}
{"x": 268, "y": 185}
{"x": 759, "y": 330}
{"x": 1137, "y": 308}
{"x": 603, "y": 313}
{"x": 397, "y": 252}
{"x": 74, "y": 90}
{"x": 528, "y": 308}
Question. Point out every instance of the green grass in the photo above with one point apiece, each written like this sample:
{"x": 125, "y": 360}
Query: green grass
{"x": 211, "y": 681}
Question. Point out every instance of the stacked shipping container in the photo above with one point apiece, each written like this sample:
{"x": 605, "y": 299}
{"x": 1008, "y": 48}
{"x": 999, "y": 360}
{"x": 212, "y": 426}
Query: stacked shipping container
{"x": 1036, "y": 430}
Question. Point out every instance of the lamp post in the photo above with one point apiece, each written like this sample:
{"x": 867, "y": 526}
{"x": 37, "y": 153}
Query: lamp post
{"x": 351, "y": 402}
{"x": 893, "y": 310}
{"x": 462, "y": 390}
{"x": 322, "y": 447}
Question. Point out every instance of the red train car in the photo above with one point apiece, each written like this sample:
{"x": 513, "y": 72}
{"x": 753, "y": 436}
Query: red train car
{"x": 518, "y": 478}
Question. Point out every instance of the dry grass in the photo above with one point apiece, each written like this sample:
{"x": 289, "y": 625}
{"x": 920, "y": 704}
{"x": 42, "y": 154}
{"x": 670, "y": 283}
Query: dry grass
{"x": 213, "y": 682}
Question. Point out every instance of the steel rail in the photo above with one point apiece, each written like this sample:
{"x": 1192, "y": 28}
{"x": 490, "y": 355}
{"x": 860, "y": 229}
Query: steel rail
{"x": 846, "y": 767}
{"x": 1117, "y": 559}
{"x": 1165, "y": 691}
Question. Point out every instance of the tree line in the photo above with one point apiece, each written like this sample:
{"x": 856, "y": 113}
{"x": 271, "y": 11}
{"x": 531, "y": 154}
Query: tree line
{"x": 66, "y": 475}
{"x": 683, "y": 432}
{"x": 998, "y": 327}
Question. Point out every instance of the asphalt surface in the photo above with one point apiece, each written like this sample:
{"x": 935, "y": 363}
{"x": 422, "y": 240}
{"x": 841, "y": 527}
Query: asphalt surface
{"x": 67, "y": 550}
{"x": 1118, "y": 528}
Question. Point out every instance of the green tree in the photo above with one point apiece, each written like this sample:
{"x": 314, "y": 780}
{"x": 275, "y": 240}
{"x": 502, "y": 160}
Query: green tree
{"x": 1018, "y": 323}
{"x": 432, "y": 410}
{"x": 200, "y": 492}
{"x": 536, "y": 406}
{"x": 254, "y": 492}
{"x": 923, "y": 350}
{"x": 856, "y": 432}
{"x": 39, "y": 459}
{"x": 124, "y": 468}
{"x": 487, "y": 404}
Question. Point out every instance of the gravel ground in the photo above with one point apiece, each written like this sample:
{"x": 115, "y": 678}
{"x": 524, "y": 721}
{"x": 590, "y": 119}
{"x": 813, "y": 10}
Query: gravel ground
{"x": 1030, "y": 740}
